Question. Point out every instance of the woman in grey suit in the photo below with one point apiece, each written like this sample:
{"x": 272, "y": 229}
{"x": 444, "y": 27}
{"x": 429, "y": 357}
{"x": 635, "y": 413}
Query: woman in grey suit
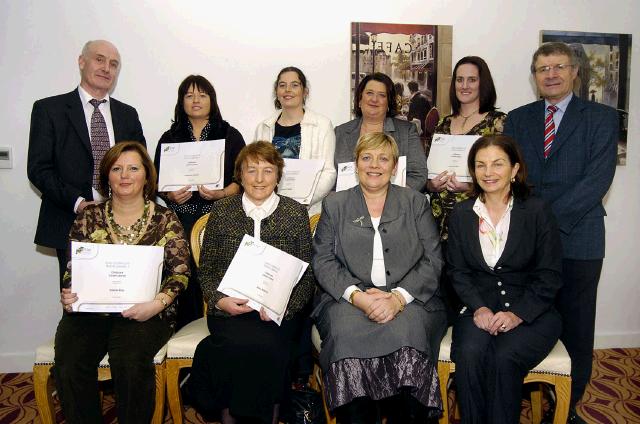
{"x": 375, "y": 105}
{"x": 377, "y": 258}
{"x": 504, "y": 259}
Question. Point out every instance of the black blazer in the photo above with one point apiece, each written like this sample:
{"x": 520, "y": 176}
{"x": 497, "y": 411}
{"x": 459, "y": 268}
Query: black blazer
{"x": 60, "y": 163}
{"x": 526, "y": 277}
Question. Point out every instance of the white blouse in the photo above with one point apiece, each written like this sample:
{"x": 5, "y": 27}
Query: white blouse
{"x": 259, "y": 212}
{"x": 492, "y": 238}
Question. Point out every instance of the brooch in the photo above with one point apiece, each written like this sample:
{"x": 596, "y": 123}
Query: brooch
{"x": 359, "y": 220}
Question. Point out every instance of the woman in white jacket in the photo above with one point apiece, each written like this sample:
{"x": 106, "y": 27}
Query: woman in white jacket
{"x": 298, "y": 133}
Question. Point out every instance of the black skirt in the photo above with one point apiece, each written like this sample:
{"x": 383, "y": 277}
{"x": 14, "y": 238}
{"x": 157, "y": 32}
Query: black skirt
{"x": 243, "y": 365}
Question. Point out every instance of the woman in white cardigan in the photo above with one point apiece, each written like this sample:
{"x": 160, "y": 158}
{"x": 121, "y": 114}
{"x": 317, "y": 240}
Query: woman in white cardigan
{"x": 298, "y": 133}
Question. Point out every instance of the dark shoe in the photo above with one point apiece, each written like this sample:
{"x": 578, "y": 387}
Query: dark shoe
{"x": 574, "y": 418}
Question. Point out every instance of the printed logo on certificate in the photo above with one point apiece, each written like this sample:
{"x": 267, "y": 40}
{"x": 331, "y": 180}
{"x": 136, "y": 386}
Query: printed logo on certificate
{"x": 192, "y": 164}
{"x": 449, "y": 153}
{"x": 348, "y": 178}
{"x": 263, "y": 274}
{"x": 114, "y": 277}
{"x": 300, "y": 179}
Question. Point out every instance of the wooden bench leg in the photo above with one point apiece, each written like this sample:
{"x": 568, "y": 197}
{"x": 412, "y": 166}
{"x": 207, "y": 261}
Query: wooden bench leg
{"x": 158, "y": 413}
{"x": 42, "y": 386}
{"x": 444, "y": 370}
{"x": 536, "y": 405}
{"x": 563, "y": 398}
{"x": 174, "y": 397}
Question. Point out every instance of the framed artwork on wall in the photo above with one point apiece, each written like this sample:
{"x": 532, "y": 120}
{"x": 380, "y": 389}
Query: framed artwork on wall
{"x": 417, "y": 58}
{"x": 605, "y": 69}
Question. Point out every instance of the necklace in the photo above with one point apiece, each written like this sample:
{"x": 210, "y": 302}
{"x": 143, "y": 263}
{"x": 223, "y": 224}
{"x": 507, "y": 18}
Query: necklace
{"x": 128, "y": 234}
{"x": 467, "y": 117}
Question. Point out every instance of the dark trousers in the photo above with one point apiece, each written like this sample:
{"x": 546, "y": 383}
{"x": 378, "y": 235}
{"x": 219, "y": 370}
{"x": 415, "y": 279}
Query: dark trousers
{"x": 576, "y": 302}
{"x": 81, "y": 342}
{"x": 490, "y": 369}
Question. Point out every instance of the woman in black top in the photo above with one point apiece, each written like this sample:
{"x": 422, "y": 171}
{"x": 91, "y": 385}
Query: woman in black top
{"x": 197, "y": 117}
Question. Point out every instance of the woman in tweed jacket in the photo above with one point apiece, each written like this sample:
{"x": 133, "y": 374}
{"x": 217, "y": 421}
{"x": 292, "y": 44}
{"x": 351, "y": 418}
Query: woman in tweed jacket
{"x": 240, "y": 370}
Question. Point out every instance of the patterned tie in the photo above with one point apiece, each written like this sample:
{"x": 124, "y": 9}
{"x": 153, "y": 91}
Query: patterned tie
{"x": 99, "y": 139}
{"x": 549, "y": 129}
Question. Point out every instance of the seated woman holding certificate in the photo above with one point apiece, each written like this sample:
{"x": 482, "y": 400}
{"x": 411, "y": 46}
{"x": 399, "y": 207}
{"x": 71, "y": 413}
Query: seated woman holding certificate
{"x": 299, "y": 133}
{"x": 504, "y": 258}
{"x": 240, "y": 371}
{"x": 473, "y": 98}
{"x": 197, "y": 117}
{"x": 380, "y": 318}
{"x": 375, "y": 106}
{"x": 132, "y": 338}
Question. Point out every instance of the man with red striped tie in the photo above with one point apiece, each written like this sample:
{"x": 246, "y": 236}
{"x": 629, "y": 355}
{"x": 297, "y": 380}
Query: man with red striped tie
{"x": 570, "y": 147}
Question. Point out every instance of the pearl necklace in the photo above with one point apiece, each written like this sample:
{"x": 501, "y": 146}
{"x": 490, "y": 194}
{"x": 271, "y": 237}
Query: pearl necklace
{"x": 128, "y": 234}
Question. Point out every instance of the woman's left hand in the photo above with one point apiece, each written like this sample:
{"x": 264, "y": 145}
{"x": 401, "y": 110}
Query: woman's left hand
{"x": 143, "y": 311}
{"x": 263, "y": 315}
{"x": 503, "y": 322}
{"x": 207, "y": 194}
{"x": 455, "y": 186}
{"x": 384, "y": 309}
{"x": 67, "y": 298}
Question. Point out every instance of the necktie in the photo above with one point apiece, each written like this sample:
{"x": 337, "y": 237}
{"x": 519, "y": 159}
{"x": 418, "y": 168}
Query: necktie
{"x": 99, "y": 139}
{"x": 549, "y": 129}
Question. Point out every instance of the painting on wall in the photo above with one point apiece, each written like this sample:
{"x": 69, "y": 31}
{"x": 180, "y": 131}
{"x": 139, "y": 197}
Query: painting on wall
{"x": 416, "y": 57}
{"x": 605, "y": 69}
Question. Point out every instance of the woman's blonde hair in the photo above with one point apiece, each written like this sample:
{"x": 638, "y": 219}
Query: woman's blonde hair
{"x": 376, "y": 140}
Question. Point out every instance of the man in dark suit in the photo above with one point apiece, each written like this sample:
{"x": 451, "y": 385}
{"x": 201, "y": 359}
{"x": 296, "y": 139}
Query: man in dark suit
{"x": 68, "y": 138}
{"x": 419, "y": 105}
{"x": 570, "y": 146}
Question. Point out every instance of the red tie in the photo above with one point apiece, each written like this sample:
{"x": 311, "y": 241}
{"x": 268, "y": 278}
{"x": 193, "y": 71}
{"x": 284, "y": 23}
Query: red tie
{"x": 549, "y": 129}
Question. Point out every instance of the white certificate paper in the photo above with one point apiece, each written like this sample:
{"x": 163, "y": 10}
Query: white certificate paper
{"x": 264, "y": 275}
{"x": 449, "y": 153}
{"x": 300, "y": 179}
{"x": 348, "y": 178}
{"x": 192, "y": 164}
{"x": 114, "y": 277}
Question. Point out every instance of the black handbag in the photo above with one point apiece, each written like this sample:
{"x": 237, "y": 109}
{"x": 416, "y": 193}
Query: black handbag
{"x": 304, "y": 406}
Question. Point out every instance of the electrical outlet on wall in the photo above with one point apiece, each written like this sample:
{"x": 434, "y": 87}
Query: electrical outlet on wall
{"x": 6, "y": 157}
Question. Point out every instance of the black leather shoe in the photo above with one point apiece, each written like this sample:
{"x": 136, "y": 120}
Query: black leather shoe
{"x": 574, "y": 418}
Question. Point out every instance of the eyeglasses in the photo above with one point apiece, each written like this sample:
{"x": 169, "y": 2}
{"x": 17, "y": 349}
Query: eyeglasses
{"x": 558, "y": 68}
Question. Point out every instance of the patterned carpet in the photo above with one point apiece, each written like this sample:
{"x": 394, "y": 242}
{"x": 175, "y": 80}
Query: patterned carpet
{"x": 613, "y": 397}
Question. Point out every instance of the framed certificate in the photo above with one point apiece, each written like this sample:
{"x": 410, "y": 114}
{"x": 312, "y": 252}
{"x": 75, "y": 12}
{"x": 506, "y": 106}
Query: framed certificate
{"x": 300, "y": 179}
{"x": 114, "y": 277}
{"x": 192, "y": 164}
{"x": 449, "y": 153}
{"x": 348, "y": 178}
{"x": 264, "y": 275}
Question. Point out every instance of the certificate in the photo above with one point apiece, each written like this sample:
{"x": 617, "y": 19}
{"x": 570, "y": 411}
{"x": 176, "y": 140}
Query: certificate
{"x": 114, "y": 277}
{"x": 192, "y": 164}
{"x": 449, "y": 153}
{"x": 264, "y": 275}
{"x": 300, "y": 179}
{"x": 348, "y": 178}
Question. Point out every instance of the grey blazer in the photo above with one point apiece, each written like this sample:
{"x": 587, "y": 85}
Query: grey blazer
{"x": 406, "y": 136}
{"x": 343, "y": 245}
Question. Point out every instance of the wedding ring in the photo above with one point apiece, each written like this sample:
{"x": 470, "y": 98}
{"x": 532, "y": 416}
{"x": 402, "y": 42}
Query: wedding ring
{"x": 504, "y": 327}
